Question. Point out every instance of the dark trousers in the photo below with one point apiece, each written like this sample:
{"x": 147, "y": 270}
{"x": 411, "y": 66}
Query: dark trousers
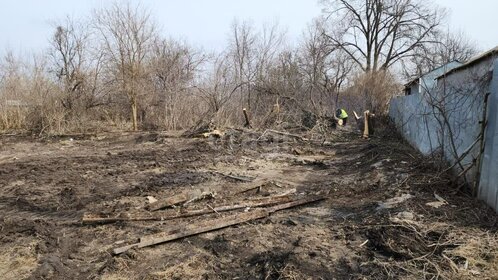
{"x": 344, "y": 121}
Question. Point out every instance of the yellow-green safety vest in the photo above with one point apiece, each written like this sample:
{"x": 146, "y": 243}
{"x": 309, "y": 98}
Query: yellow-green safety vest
{"x": 343, "y": 114}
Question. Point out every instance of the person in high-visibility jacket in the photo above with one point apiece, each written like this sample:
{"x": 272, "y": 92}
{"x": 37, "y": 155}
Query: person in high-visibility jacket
{"x": 342, "y": 115}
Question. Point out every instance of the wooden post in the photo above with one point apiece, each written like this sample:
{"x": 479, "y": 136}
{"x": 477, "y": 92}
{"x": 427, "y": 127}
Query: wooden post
{"x": 365, "y": 130}
{"x": 248, "y": 123}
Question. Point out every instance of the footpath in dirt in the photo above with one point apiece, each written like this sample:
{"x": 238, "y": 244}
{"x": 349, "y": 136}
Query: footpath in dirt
{"x": 236, "y": 205}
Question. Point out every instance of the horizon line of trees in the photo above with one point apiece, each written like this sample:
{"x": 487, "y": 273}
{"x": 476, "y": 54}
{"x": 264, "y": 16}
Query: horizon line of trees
{"x": 116, "y": 70}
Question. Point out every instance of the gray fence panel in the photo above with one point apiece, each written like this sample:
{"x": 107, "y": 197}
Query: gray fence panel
{"x": 488, "y": 186}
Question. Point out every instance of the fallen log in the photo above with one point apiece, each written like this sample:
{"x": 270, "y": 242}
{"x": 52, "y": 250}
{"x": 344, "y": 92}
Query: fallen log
{"x": 181, "y": 198}
{"x": 170, "y": 201}
{"x": 215, "y": 133}
{"x": 91, "y": 219}
{"x": 206, "y": 226}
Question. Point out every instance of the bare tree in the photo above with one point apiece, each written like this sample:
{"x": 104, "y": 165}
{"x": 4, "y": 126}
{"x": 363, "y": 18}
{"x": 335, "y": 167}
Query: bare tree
{"x": 242, "y": 49}
{"x": 127, "y": 34}
{"x": 446, "y": 47}
{"x": 269, "y": 44}
{"x": 13, "y": 89}
{"x": 220, "y": 84}
{"x": 46, "y": 114}
{"x": 172, "y": 72}
{"x": 11, "y": 72}
{"x": 67, "y": 53}
{"x": 378, "y": 33}
{"x": 324, "y": 69}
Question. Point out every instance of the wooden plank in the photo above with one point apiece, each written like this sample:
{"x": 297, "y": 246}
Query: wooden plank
{"x": 123, "y": 249}
{"x": 263, "y": 202}
{"x": 90, "y": 219}
{"x": 202, "y": 227}
{"x": 195, "y": 229}
{"x": 210, "y": 225}
{"x": 295, "y": 203}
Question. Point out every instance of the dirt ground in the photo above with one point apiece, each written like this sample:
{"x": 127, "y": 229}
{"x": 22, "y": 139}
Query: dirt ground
{"x": 388, "y": 213}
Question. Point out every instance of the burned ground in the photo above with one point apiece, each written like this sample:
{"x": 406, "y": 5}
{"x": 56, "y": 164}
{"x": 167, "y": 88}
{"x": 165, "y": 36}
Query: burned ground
{"x": 374, "y": 224}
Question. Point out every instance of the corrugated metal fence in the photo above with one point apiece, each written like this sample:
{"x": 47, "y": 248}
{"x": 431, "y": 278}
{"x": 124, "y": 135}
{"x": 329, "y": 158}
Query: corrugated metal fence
{"x": 418, "y": 123}
{"x": 488, "y": 185}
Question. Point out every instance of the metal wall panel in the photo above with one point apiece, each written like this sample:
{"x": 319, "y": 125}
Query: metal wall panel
{"x": 488, "y": 185}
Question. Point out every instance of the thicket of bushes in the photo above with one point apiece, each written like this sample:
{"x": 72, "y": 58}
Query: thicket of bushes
{"x": 115, "y": 71}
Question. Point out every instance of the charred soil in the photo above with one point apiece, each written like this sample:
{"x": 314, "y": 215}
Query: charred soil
{"x": 379, "y": 219}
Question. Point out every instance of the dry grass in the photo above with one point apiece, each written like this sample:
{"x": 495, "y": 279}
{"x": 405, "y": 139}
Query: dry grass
{"x": 477, "y": 255}
{"x": 192, "y": 268}
{"x": 458, "y": 253}
{"x": 115, "y": 276}
{"x": 18, "y": 262}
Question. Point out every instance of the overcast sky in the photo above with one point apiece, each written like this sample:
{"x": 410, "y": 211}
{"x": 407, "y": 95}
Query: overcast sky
{"x": 25, "y": 25}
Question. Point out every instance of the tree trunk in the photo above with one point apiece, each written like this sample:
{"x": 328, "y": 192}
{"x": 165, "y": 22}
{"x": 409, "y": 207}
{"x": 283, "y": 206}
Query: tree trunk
{"x": 134, "y": 114}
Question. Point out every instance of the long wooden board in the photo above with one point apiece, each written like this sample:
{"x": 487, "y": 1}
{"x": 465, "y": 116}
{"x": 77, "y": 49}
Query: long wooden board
{"x": 196, "y": 229}
{"x": 92, "y": 219}
{"x": 210, "y": 225}
{"x": 296, "y": 203}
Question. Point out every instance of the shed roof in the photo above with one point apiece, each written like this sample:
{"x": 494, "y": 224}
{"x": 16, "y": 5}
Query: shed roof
{"x": 472, "y": 61}
{"x": 409, "y": 84}
{"x": 416, "y": 80}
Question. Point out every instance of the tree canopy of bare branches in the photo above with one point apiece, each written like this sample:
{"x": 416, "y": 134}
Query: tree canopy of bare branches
{"x": 127, "y": 35}
{"x": 445, "y": 47}
{"x": 116, "y": 67}
{"x": 378, "y": 33}
{"x": 69, "y": 46}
